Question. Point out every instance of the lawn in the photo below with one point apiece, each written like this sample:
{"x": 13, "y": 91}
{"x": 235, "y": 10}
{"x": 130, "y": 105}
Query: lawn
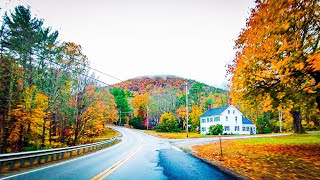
{"x": 174, "y": 135}
{"x": 286, "y": 157}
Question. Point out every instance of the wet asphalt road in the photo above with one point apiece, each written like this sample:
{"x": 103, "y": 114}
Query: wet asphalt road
{"x": 137, "y": 156}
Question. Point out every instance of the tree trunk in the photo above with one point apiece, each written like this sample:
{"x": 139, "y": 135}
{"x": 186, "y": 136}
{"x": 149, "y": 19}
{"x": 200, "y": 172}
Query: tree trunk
{"x": 63, "y": 127}
{"x": 76, "y": 131}
{"x": 296, "y": 115}
{"x": 20, "y": 141}
{"x": 44, "y": 130}
{"x": 318, "y": 102}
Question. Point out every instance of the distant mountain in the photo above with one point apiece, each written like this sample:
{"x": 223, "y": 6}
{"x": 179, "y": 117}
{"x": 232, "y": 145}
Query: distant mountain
{"x": 151, "y": 83}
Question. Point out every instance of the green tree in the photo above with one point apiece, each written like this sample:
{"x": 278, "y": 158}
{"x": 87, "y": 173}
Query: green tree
{"x": 121, "y": 99}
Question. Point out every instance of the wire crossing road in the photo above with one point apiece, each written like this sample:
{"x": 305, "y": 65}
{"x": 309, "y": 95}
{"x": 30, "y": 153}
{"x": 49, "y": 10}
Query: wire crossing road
{"x": 137, "y": 156}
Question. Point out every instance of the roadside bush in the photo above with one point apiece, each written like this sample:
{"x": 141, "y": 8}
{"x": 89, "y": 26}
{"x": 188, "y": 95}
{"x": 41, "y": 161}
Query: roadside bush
{"x": 267, "y": 130}
{"x": 216, "y": 129}
{"x": 168, "y": 123}
{"x": 136, "y": 122}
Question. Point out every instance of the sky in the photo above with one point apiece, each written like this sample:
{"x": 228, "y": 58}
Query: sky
{"x": 192, "y": 39}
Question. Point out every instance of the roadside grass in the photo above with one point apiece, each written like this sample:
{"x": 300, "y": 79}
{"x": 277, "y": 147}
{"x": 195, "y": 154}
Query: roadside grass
{"x": 175, "y": 135}
{"x": 183, "y": 135}
{"x": 107, "y": 134}
{"x": 286, "y": 157}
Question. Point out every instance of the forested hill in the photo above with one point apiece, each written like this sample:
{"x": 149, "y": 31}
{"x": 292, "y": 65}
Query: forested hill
{"x": 148, "y": 84}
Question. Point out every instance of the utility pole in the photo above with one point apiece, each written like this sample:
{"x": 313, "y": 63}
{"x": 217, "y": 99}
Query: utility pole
{"x": 120, "y": 119}
{"x": 147, "y": 118}
{"x": 187, "y": 108}
{"x": 280, "y": 119}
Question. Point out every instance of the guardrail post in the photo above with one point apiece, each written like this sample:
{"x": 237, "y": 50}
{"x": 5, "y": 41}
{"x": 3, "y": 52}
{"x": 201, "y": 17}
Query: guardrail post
{"x": 88, "y": 149}
{"x": 78, "y": 151}
{"x": 12, "y": 165}
{"x": 62, "y": 155}
{"x": 31, "y": 161}
{"x": 39, "y": 160}
{"x": 1, "y": 166}
{"x": 70, "y": 153}
{"x": 22, "y": 162}
{"x": 52, "y": 157}
{"x": 57, "y": 156}
{"x": 84, "y": 151}
{"x": 46, "y": 158}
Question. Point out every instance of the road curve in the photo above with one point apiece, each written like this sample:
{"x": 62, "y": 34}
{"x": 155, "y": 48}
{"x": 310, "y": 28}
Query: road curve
{"x": 137, "y": 156}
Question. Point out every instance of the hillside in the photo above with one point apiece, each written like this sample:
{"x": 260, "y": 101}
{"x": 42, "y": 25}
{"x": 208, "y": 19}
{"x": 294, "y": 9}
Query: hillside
{"x": 151, "y": 83}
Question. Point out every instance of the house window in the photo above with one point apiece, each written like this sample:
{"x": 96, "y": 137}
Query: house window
{"x": 203, "y": 129}
{"x": 247, "y": 128}
{"x": 233, "y": 111}
{"x": 227, "y": 128}
{"x": 236, "y": 118}
{"x": 203, "y": 120}
{"x": 211, "y": 119}
{"x": 216, "y": 119}
{"x": 236, "y": 128}
{"x": 228, "y": 111}
{"x": 208, "y": 120}
{"x": 243, "y": 128}
{"x": 226, "y": 118}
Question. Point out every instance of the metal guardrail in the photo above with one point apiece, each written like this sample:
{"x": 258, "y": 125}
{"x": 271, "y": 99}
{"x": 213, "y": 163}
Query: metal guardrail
{"x": 54, "y": 154}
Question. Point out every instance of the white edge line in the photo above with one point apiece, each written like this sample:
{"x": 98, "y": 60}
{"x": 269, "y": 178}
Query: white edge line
{"x": 176, "y": 148}
{"x": 68, "y": 161}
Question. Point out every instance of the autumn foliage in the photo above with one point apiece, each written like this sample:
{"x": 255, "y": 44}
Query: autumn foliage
{"x": 48, "y": 98}
{"x": 276, "y": 68}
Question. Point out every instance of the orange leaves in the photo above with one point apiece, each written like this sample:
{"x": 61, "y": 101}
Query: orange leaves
{"x": 182, "y": 112}
{"x": 140, "y": 103}
{"x": 314, "y": 61}
{"x": 261, "y": 160}
{"x": 100, "y": 109}
{"x": 277, "y": 59}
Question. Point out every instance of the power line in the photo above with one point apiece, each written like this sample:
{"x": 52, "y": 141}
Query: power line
{"x": 79, "y": 63}
{"x": 5, "y": 42}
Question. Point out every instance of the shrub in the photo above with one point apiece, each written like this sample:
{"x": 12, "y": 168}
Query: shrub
{"x": 168, "y": 123}
{"x": 267, "y": 130}
{"x": 136, "y": 122}
{"x": 216, "y": 129}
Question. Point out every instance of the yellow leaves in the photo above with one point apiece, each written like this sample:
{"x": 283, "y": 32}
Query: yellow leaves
{"x": 267, "y": 104}
{"x": 194, "y": 116}
{"x": 100, "y": 109}
{"x": 166, "y": 116}
{"x": 182, "y": 112}
{"x": 140, "y": 102}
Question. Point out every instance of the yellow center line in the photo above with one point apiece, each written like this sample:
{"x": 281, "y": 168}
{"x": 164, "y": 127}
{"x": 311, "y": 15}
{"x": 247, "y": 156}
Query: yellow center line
{"x": 111, "y": 169}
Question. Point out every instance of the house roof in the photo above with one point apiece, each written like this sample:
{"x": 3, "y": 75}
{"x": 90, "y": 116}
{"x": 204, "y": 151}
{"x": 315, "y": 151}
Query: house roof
{"x": 246, "y": 121}
{"x": 214, "y": 111}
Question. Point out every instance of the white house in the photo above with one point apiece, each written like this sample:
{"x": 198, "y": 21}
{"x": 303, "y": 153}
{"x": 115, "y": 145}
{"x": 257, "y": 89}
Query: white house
{"x": 230, "y": 118}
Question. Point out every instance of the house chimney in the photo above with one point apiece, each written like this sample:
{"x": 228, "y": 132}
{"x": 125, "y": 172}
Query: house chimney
{"x": 230, "y": 101}
{"x": 209, "y": 106}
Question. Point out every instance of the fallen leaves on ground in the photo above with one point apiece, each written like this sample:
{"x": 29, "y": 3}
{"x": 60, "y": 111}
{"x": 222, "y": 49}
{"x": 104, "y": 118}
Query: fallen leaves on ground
{"x": 291, "y": 157}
